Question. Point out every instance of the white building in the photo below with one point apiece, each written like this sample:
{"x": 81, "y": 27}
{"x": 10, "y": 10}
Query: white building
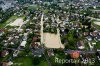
{"x": 23, "y": 44}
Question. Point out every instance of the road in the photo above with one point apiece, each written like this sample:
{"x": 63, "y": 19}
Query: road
{"x": 81, "y": 52}
{"x": 58, "y": 34}
{"x": 92, "y": 18}
{"x": 42, "y": 40}
{"x": 42, "y": 28}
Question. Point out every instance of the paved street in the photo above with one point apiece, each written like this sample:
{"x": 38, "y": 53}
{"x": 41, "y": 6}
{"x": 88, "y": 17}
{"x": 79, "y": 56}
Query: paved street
{"x": 42, "y": 28}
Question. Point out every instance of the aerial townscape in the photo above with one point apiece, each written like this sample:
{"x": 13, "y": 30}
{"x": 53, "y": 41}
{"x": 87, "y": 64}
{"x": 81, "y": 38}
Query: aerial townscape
{"x": 49, "y": 32}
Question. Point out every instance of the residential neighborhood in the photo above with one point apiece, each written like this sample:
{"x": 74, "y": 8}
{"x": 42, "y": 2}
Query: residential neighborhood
{"x": 49, "y": 32}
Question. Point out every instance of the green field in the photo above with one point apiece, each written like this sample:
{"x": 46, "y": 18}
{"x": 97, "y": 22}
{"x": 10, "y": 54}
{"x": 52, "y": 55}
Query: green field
{"x": 43, "y": 63}
{"x": 11, "y": 19}
{"x": 27, "y": 61}
{"x": 23, "y": 61}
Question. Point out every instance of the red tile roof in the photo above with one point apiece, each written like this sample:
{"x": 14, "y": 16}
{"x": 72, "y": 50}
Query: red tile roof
{"x": 75, "y": 54}
{"x": 4, "y": 64}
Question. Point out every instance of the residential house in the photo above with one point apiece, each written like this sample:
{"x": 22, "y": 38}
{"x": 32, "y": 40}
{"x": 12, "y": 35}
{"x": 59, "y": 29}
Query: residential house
{"x": 89, "y": 38}
{"x": 4, "y": 64}
{"x": 80, "y": 44}
{"x": 23, "y": 43}
{"x": 1, "y": 32}
{"x": 86, "y": 33}
{"x": 4, "y": 53}
{"x": 50, "y": 52}
{"x": 93, "y": 34}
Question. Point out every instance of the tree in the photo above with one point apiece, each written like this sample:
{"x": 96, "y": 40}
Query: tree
{"x": 36, "y": 61}
{"x": 0, "y": 9}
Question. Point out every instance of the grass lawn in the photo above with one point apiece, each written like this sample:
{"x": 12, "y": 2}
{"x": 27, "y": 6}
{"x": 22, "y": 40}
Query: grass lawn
{"x": 98, "y": 45}
{"x": 23, "y": 61}
{"x": 43, "y": 63}
{"x": 96, "y": 26}
{"x": 5, "y": 58}
{"x": 34, "y": 7}
{"x": 11, "y": 19}
{"x": 86, "y": 46}
{"x": 28, "y": 61}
